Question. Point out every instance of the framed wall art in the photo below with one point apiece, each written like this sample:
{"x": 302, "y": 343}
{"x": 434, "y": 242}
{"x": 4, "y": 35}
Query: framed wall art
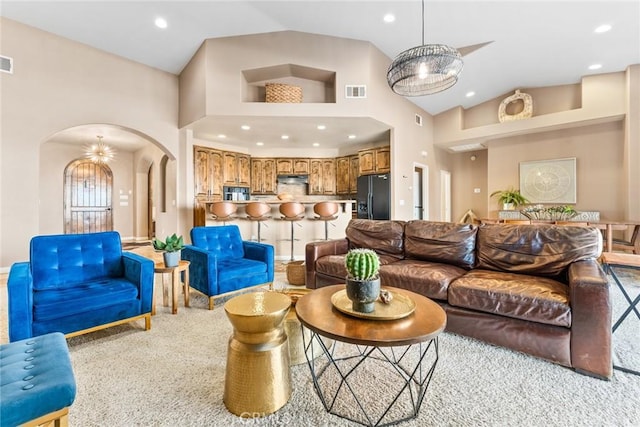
{"x": 549, "y": 181}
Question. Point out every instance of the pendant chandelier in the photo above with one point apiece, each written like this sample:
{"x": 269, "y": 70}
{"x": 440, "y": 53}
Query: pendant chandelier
{"x": 100, "y": 152}
{"x": 425, "y": 69}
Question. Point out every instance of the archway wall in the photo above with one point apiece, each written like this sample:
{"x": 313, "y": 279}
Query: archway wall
{"x": 59, "y": 84}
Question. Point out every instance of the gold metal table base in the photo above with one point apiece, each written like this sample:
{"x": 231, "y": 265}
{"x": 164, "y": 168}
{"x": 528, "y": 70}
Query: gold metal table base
{"x": 257, "y": 380}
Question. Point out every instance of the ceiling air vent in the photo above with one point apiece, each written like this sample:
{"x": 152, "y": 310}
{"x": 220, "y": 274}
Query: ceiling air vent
{"x": 6, "y": 64}
{"x": 355, "y": 91}
{"x": 418, "y": 119}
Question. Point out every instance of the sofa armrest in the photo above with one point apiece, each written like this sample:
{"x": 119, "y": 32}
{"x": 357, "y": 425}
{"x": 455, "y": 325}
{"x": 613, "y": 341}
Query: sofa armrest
{"x": 260, "y": 252}
{"x": 139, "y": 271}
{"x": 590, "y": 299}
{"x": 203, "y": 269}
{"x": 316, "y": 250}
{"x": 20, "y": 293}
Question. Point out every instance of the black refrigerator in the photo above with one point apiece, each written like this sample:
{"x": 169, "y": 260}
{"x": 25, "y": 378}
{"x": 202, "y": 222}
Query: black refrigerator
{"x": 373, "y": 196}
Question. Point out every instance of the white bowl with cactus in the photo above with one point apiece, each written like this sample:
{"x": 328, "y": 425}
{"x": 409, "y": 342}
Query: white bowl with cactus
{"x": 363, "y": 279}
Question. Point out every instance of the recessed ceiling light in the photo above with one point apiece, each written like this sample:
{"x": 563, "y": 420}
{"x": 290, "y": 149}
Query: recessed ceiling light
{"x": 161, "y": 23}
{"x": 352, "y": 137}
{"x": 285, "y": 137}
{"x": 470, "y": 94}
{"x": 245, "y": 127}
{"x": 602, "y": 28}
{"x": 389, "y": 17}
{"x": 321, "y": 127}
{"x": 316, "y": 144}
{"x": 595, "y": 66}
{"x": 260, "y": 143}
{"x": 221, "y": 135}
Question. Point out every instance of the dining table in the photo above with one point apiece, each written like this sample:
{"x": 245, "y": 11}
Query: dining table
{"x": 609, "y": 226}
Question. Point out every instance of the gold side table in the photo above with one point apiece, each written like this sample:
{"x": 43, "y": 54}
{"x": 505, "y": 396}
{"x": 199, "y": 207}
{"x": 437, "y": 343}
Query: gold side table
{"x": 257, "y": 379}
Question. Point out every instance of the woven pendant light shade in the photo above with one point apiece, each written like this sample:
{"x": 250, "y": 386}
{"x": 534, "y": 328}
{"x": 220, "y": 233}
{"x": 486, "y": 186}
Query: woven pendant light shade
{"x": 424, "y": 70}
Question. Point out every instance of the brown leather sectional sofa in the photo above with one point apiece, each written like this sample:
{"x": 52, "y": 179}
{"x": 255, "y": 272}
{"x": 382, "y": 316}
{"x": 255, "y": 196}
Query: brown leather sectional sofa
{"x": 538, "y": 289}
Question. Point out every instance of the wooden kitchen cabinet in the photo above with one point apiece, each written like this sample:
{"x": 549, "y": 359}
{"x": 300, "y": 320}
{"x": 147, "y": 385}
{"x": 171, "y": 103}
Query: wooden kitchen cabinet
{"x": 322, "y": 176}
{"x": 374, "y": 160}
{"x": 237, "y": 169}
{"x": 208, "y": 173}
{"x": 300, "y": 166}
{"x": 354, "y": 173}
{"x": 343, "y": 167}
{"x": 263, "y": 176}
{"x": 292, "y": 166}
{"x": 347, "y": 170}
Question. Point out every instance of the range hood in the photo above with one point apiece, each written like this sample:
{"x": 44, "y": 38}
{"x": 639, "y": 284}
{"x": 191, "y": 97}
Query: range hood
{"x": 293, "y": 179}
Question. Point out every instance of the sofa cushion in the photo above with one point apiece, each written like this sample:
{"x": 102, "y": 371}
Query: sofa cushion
{"x": 444, "y": 242}
{"x": 82, "y": 298}
{"x": 538, "y": 299}
{"x": 333, "y": 265}
{"x": 384, "y": 237}
{"x": 426, "y": 278}
{"x": 62, "y": 261}
{"x": 535, "y": 249}
{"x": 235, "y": 274}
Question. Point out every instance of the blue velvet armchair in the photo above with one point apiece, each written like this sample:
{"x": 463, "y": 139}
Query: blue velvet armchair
{"x": 222, "y": 263}
{"x": 78, "y": 283}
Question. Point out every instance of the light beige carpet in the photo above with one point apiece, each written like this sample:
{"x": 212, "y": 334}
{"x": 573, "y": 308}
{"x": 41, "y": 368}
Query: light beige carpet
{"x": 173, "y": 375}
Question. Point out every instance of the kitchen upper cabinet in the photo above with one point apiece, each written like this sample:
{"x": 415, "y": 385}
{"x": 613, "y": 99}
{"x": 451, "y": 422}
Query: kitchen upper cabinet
{"x": 208, "y": 165}
{"x": 284, "y": 166}
{"x": 292, "y": 166}
{"x": 354, "y": 173}
{"x": 237, "y": 169}
{"x": 263, "y": 176}
{"x": 343, "y": 167}
{"x": 347, "y": 174}
{"x": 300, "y": 166}
{"x": 322, "y": 176}
{"x": 374, "y": 160}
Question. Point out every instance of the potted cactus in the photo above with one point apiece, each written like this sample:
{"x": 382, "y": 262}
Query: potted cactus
{"x": 363, "y": 281}
{"x": 171, "y": 249}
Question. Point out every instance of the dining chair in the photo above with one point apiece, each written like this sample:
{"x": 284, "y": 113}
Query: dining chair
{"x": 628, "y": 245}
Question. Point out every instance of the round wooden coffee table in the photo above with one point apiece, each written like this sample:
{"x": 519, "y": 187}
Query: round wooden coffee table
{"x": 379, "y": 365}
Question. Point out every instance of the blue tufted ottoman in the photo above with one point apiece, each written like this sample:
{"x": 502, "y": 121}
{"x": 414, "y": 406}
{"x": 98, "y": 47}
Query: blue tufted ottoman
{"x": 36, "y": 381}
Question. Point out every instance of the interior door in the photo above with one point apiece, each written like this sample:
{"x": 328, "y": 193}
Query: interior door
{"x": 88, "y": 187}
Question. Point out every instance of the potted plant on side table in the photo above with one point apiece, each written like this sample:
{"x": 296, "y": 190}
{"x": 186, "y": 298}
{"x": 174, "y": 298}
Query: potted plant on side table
{"x": 171, "y": 249}
{"x": 362, "y": 281}
{"x": 510, "y": 198}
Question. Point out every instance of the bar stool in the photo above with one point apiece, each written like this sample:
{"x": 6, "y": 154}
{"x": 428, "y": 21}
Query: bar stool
{"x": 292, "y": 211}
{"x": 223, "y": 211}
{"x": 258, "y": 211}
{"x": 326, "y": 211}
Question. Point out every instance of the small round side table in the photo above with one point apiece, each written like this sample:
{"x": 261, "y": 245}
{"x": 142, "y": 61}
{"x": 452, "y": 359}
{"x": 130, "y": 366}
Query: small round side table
{"x": 257, "y": 379}
{"x": 159, "y": 267}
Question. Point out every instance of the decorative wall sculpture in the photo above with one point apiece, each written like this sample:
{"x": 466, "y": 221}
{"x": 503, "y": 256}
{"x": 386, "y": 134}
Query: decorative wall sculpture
{"x": 526, "y": 112}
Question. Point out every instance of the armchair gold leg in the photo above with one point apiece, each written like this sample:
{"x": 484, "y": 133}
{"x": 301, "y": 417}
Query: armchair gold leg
{"x": 210, "y": 303}
{"x": 147, "y": 322}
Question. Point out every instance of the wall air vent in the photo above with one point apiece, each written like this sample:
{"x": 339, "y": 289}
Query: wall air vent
{"x": 6, "y": 64}
{"x": 355, "y": 91}
{"x": 418, "y": 119}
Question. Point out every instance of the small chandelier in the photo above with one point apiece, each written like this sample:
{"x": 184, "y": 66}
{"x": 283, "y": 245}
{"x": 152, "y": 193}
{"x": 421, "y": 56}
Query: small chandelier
{"x": 100, "y": 152}
{"x": 425, "y": 69}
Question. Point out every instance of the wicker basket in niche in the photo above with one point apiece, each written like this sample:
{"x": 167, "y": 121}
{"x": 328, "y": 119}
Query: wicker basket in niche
{"x": 280, "y": 92}
{"x": 295, "y": 273}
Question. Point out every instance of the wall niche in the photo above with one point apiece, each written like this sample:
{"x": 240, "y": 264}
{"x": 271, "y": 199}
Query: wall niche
{"x": 318, "y": 86}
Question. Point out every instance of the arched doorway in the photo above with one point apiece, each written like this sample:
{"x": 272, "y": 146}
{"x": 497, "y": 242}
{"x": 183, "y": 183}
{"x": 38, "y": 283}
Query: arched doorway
{"x": 88, "y": 189}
